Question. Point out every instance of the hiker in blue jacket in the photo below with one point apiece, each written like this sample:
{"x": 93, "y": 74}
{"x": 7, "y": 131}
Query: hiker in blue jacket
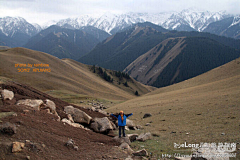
{"x": 122, "y": 118}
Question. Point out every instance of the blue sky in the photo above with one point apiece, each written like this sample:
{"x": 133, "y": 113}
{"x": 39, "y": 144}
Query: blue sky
{"x": 41, "y": 11}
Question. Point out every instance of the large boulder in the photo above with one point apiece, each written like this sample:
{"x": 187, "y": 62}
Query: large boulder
{"x": 7, "y": 95}
{"x": 17, "y": 146}
{"x": 142, "y": 152}
{"x": 34, "y": 103}
{"x": 101, "y": 125}
{"x": 101, "y": 111}
{"x": 122, "y": 140}
{"x": 78, "y": 115}
{"x": 143, "y": 137}
{"x": 77, "y": 125}
{"x": 126, "y": 147}
{"x": 51, "y": 105}
{"x": 129, "y": 123}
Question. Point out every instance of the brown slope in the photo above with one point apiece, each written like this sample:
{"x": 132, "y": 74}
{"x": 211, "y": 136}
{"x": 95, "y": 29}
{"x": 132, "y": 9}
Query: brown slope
{"x": 145, "y": 70}
{"x": 47, "y": 136}
{"x": 133, "y": 84}
{"x": 64, "y": 76}
{"x": 204, "y": 107}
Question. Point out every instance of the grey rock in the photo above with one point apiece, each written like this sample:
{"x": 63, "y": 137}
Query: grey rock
{"x": 76, "y": 125}
{"x": 125, "y": 146}
{"x": 8, "y": 128}
{"x": 101, "y": 125}
{"x": 122, "y": 140}
{"x": 70, "y": 143}
{"x": 7, "y": 95}
{"x": 34, "y": 103}
{"x": 142, "y": 152}
{"x": 132, "y": 137}
{"x": 143, "y": 137}
{"x": 129, "y": 123}
{"x": 146, "y": 115}
{"x": 51, "y": 105}
{"x": 78, "y": 115}
{"x": 75, "y": 148}
{"x": 139, "y": 127}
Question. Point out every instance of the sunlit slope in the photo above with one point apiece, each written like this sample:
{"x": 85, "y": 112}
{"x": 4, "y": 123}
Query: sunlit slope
{"x": 205, "y": 106}
{"x": 63, "y": 75}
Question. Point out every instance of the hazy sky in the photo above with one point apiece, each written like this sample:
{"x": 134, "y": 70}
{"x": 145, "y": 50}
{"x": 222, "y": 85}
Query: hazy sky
{"x": 41, "y": 11}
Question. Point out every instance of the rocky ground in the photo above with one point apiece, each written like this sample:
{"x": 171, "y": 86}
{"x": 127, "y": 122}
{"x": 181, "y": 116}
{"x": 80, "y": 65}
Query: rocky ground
{"x": 43, "y": 136}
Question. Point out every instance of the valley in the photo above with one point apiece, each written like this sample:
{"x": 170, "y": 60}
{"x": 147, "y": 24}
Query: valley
{"x": 177, "y": 72}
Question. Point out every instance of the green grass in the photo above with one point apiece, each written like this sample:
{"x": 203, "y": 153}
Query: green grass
{"x": 156, "y": 147}
{"x": 77, "y": 99}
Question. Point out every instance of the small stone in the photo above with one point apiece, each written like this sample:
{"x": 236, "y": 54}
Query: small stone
{"x": 147, "y": 124}
{"x": 146, "y": 115}
{"x": 28, "y": 141}
{"x": 17, "y": 147}
{"x": 222, "y": 134}
{"x": 8, "y": 128}
{"x": 142, "y": 152}
{"x": 70, "y": 143}
{"x": 132, "y": 137}
{"x": 75, "y": 148}
{"x": 25, "y": 111}
{"x": 28, "y": 157}
{"x": 139, "y": 127}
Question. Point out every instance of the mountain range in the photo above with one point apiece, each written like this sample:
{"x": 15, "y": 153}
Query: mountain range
{"x": 178, "y": 59}
{"x": 162, "y": 58}
{"x": 16, "y": 31}
{"x": 119, "y": 42}
{"x": 66, "y": 43}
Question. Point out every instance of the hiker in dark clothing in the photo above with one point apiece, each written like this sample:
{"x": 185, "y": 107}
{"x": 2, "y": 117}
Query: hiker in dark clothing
{"x": 122, "y": 118}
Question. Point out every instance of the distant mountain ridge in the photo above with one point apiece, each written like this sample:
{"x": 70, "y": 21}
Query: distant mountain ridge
{"x": 122, "y": 48}
{"x": 186, "y": 20}
{"x": 178, "y": 59}
{"x": 16, "y": 31}
{"x": 65, "y": 43}
{"x": 229, "y": 27}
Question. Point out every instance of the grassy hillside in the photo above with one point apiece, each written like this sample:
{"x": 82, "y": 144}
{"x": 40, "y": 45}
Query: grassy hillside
{"x": 201, "y": 109}
{"x": 61, "y": 77}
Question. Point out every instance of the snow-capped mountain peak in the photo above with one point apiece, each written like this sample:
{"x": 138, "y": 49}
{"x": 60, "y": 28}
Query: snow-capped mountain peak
{"x": 13, "y": 25}
{"x": 236, "y": 20}
{"x": 193, "y": 18}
